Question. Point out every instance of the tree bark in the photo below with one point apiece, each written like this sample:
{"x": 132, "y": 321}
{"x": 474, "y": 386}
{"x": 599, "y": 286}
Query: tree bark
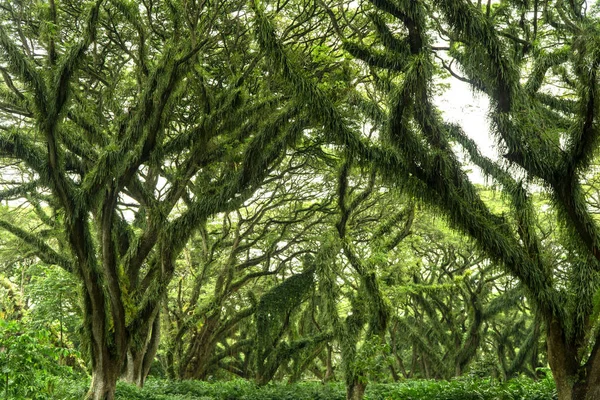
{"x": 105, "y": 373}
{"x": 106, "y": 354}
{"x": 356, "y": 390}
{"x": 139, "y": 361}
{"x": 573, "y": 380}
{"x": 329, "y": 373}
{"x": 586, "y": 388}
{"x": 201, "y": 351}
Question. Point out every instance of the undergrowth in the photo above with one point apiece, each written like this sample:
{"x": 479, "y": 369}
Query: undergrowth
{"x": 460, "y": 389}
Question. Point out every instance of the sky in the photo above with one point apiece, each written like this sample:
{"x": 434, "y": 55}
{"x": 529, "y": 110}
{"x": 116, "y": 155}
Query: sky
{"x": 469, "y": 110}
{"x": 460, "y": 105}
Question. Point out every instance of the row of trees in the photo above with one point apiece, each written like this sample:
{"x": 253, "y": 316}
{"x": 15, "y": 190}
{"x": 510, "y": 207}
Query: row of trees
{"x": 248, "y": 297}
{"x": 217, "y": 176}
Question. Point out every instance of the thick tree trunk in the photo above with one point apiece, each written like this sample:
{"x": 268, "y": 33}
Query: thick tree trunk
{"x": 104, "y": 379}
{"x": 587, "y": 388}
{"x": 355, "y": 390}
{"x": 107, "y": 359}
{"x": 573, "y": 380}
{"x": 106, "y": 366}
{"x": 139, "y": 361}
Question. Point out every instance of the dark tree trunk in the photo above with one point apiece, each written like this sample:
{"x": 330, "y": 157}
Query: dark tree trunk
{"x": 355, "y": 390}
{"x": 106, "y": 347}
{"x": 586, "y": 388}
{"x": 202, "y": 350}
{"x": 329, "y": 373}
{"x": 534, "y": 358}
{"x": 395, "y": 375}
{"x": 573, "y": 381}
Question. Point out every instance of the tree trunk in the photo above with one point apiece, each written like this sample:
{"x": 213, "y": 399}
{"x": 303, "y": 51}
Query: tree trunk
{"x": 573, "y": 381}
{"x": 356, "y": 390}
{"x": 107, "y": 356}
{"x": 395, "y": 375}
{"x": 106, "y": 366}
{"x": 329, "y": 373}
{"x": 425, "y": 367}
{"x": 587, "y": 388}
{"x": 534, "y": 358}
{"x": 133, "y": 368}
{"x": 199, "y": 355}
{"x": 105, "y": 373}
{"x": 139, "y": 361}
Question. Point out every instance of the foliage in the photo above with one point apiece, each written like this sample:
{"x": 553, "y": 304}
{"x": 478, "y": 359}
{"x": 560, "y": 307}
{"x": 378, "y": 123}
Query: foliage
{"x": 467, "y": 389}
{"x": 29, "y": 362}
{"x": 254, "y": 188}
{"x": 516, "y": 53}
{"x": 123, "y": 141}
{"x": 461, "y": 389}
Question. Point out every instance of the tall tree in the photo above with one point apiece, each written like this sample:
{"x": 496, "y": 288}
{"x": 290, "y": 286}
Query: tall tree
{"x": 233, "y": 261}
{"x": 127, "y": 125}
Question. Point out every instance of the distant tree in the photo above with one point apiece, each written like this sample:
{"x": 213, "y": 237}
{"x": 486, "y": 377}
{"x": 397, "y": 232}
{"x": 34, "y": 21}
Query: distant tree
{"x": 457, "y": 308}
{"x": 234, "y": 260}
{"x": 358, "y": 208}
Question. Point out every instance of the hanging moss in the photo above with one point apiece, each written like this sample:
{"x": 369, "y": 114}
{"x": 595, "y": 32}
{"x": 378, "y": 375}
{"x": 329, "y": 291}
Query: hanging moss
{"x": 274, "y": 309}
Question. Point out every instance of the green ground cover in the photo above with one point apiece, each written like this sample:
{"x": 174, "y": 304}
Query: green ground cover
{"x": 463, "y": 389}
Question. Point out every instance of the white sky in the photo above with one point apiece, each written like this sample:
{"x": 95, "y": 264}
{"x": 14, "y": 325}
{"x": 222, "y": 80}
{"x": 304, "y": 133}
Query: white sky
{"x": 460, "y": 105}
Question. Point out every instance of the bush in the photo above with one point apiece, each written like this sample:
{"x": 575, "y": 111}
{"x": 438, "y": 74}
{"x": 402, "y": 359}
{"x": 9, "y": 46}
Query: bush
{"x": 29, "y": 362}
{"x": 464, "y": 389}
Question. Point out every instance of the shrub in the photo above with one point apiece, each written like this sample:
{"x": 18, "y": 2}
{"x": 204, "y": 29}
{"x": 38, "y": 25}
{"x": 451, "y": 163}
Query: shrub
{"x": 459, "y": 389}
{"x": 28, "y": 362}
{"x": 464, "y": 389}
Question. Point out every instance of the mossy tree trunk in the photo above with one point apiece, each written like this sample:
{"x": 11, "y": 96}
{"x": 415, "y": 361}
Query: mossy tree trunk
{"x": 140, "y": 357}
{"x": 575, "y": 380}
{"x": 106, "y": 365}
{"x": 355, "y": 390}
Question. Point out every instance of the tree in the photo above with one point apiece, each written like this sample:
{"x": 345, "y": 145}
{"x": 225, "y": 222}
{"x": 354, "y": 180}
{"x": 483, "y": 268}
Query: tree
{"x": 369, "y": 307}
{"x": 511, "y": 52}
{"x": 233, "y": 261}
{"x": 456, "y": 309}
{"x": 125, "y": 127}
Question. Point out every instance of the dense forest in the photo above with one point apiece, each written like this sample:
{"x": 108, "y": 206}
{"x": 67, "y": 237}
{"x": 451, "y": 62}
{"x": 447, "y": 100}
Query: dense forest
{"x": 267, "y": 195}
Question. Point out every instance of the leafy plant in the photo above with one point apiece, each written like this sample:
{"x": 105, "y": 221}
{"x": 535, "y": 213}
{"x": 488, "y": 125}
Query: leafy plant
{"x": 458, "y": 389}
{"x": 28, "y": 362}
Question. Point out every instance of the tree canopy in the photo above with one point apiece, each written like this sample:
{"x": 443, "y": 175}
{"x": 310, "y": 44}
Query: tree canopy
{"x": 269, "y": 188}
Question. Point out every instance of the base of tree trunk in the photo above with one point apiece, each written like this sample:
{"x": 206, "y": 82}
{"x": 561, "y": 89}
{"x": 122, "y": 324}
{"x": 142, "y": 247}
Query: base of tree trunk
{"x": 580, "y": 391}
{"x": 133, "y": 369}
{"x": 356, "y": 391}
{"x": 102, "y": 387}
